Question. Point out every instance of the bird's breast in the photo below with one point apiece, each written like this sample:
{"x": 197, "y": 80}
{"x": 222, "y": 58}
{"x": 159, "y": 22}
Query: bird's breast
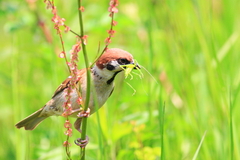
{"x": 99, "y": 89}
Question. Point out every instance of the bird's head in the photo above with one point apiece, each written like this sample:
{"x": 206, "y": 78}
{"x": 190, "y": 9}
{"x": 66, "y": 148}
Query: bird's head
{"x": 113, "y": 60}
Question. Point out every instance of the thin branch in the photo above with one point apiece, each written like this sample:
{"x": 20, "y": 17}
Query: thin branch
{"x": 84, "y": 119}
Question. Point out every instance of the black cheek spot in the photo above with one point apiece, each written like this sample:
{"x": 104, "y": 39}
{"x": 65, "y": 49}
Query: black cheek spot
{"x": 110, "y": 67}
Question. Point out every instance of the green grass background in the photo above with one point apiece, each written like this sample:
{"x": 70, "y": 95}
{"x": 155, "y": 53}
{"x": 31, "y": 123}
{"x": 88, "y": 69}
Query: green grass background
{"x": 190, "y": 48}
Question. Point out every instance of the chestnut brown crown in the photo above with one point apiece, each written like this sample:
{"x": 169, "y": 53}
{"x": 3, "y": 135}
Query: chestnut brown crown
{"x": 113, "y": 58}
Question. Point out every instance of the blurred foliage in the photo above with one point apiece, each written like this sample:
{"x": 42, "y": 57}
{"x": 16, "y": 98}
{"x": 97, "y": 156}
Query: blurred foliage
{"x": 189, "y": 51}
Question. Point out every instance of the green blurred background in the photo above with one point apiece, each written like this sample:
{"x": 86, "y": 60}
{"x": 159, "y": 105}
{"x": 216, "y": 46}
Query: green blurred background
{"x": 190, "y": 49}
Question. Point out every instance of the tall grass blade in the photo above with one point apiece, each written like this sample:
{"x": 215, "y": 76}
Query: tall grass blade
{"x": 199, "y": 146}
{"x": 161, "y": 113}
{"x": 231, "y": 128}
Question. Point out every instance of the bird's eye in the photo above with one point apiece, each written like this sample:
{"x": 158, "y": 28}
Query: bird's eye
{"x": 110, "y": 67}
{"x": 123, "y": 61}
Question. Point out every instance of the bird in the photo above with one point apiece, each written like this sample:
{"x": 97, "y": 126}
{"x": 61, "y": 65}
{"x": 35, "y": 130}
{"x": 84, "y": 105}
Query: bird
{"x": 103, "y": 73}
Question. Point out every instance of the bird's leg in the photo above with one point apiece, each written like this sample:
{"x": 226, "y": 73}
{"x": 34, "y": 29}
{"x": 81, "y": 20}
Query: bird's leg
{"x": 84, "y": 113}
{"x": 77, "y": 125}
{"x": 80, "y": 115}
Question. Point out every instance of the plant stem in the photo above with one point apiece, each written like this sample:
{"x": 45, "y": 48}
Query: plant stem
{"x": 161, "y": 119}
{"x": 231, "y": 128}
{"x": 62, "y": 43}
{"x": 67, "y": 148}
{"x": 85, "y": 107}
{"x": 109, "y": 36}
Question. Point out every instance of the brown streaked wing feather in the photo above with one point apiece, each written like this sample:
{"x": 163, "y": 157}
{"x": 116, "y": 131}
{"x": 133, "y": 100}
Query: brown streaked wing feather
{"x": 63, "y": 86}
{"x": 65, "y": 83}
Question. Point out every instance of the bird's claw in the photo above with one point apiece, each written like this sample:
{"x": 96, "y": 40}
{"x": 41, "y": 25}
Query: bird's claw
{"x": 84, "y": 113}
{"x": 82, "y": 143}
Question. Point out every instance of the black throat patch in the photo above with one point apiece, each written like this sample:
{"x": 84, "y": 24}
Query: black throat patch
{"x": 112, "y": 79}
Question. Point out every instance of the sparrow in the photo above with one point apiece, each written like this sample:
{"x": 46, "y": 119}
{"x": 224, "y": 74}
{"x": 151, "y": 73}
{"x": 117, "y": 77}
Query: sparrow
{"x": 103, "y": 73}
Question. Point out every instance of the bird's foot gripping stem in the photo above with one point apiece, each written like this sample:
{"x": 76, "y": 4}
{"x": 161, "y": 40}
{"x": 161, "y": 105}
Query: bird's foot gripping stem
{"x": 82, "y": 143}
{"x": 84, "y": 113}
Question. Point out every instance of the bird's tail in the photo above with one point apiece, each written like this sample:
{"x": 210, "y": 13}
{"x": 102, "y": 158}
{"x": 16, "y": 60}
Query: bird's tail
{"x": 32, "y": 121}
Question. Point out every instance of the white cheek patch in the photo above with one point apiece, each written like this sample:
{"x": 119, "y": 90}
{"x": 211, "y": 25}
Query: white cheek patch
{"x": 114, "y": 63}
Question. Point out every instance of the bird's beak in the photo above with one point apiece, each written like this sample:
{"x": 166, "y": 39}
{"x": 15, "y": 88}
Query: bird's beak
{"x": 137, "y": 66}
{"x": 132, "y": 66}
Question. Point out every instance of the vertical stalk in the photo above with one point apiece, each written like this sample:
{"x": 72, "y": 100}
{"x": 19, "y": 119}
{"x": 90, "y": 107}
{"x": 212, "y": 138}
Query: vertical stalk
{"x": 151, "y": 53}
{"x": 85, "y": 107}
{"x": 231, "y": 128}
{"x": 161, "y": 112}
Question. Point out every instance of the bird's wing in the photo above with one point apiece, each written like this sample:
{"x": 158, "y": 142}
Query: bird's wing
{"x": 65, "y": 83}
{"x": 63, "y": 86}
